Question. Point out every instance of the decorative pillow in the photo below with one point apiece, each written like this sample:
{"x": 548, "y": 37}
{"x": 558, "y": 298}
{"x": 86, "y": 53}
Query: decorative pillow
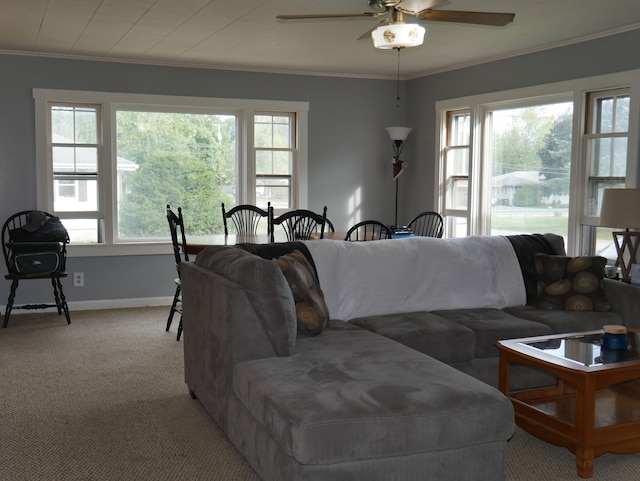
{"x": 571, "y": 283}
{"x": 311, "y": 311}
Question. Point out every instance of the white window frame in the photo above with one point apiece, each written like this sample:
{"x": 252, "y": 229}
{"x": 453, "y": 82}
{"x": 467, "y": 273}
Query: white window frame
{"x": 451, "y": 213}
{"x": 294, "y": 186}
{"x": 110, "y": 102}
{"x": 574, "y": 89}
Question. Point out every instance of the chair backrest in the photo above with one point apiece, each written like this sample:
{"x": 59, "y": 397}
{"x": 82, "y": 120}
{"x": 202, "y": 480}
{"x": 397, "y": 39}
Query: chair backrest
{"x": 368, "y": 230}
{"x": 427, "y": 224}
{"x": 299, "y": 224}
{"x": 35, "y": 221}
{"x": 178, "y": 237}
{"x": 328, "y": 226}
{"x": 245, "y": 218}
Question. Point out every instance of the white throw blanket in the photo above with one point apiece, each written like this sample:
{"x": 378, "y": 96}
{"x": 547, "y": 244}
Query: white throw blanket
{"x": 417, "y": 274}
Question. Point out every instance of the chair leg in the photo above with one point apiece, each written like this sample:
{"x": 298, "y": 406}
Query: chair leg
{"x": 12, "y": 296}
{"x": 61, "y": 300}
{"x": 176, "y": 298}
{"x": 179, "y": 328}
{"x": 56, "y": 295}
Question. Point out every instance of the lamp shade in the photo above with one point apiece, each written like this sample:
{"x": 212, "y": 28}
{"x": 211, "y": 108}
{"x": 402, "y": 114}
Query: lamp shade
{"x": 398, "y": 35}
{"x": 399, "y": 133}
{"x": 620, "y": 208}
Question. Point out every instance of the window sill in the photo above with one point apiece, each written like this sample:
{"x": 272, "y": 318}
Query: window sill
{"x": 114, "y": 250}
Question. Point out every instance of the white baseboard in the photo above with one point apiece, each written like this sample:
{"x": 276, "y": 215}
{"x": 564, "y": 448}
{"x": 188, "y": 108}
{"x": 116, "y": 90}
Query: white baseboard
{"x": 101, "y": 304}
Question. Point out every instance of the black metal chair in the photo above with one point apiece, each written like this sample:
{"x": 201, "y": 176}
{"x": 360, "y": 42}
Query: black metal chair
{"x": 427, "y": 224}
{"x": 299, "y": 224}
{"x": 176, "y": 223}
{"x": 368, "y": 230}
{"x": 34, "y": 247}
{"x": 246, "y": 218}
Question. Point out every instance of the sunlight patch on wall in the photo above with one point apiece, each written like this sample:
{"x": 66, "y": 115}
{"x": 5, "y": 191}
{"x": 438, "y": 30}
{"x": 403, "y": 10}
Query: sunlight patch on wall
{"x": 354, "y": 203}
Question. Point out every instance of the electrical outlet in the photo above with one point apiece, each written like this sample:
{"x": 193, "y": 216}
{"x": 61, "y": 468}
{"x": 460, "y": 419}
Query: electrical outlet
{"x": 78, "y": 279}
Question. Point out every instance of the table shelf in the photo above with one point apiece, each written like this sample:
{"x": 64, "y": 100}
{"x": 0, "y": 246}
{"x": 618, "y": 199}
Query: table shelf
{"x": 619, "y": 404}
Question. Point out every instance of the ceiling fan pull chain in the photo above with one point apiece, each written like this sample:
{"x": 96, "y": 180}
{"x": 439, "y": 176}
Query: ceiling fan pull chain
{"x": 398, "y": 81}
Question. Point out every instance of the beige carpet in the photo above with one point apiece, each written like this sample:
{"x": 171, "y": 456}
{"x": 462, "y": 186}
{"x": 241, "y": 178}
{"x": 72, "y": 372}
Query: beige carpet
{"x": 104, "y": 399}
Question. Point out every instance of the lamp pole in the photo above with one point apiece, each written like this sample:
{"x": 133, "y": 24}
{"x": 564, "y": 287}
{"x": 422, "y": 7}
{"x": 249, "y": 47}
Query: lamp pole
{"x": 398, "y": 135}
{"x": 396, "y": 217}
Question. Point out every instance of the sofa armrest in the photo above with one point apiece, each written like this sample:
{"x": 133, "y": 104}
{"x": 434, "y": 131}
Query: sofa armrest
{"x": 221, "y": 330}
{"x": 625, "y": 300}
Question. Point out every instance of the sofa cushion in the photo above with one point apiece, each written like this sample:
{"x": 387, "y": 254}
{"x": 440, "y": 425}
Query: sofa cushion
{"x": 441, "y": 338}
{"x": 571, "y": 283}
{"x": 350, "y": 394}
{"x": 311, "y": 311}
{"x": 566, "y": 321}
{"x": 266, "y": 288}
{"x": 491, "y": 325}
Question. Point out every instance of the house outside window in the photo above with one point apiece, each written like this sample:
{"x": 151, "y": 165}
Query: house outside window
{"x": 108, "y": 163}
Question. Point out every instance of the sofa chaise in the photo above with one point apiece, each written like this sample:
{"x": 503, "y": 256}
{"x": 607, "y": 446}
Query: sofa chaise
{"x": 400, "y": 382}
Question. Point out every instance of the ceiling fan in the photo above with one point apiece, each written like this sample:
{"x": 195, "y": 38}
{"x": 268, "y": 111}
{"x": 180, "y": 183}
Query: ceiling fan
{"x": 393, "y": 32}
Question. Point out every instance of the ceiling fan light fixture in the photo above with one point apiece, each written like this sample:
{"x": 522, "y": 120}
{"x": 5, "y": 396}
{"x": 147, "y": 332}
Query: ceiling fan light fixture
{"x": 398, "y": 35}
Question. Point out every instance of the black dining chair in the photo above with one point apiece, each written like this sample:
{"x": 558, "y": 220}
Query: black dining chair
{"x": 328, "y": 226}
{"x": 427, "y": 224}
{"x": 34, "y": 245}
{"x": 368, "y": 230}
{"x": 246, "y": 218}
{"x": 299, "y": 224}
{"x": 180, "y": 253}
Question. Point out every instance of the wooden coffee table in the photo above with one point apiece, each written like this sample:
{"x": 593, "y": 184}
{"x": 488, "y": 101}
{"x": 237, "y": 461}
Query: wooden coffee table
{"x": 594, "y": 407}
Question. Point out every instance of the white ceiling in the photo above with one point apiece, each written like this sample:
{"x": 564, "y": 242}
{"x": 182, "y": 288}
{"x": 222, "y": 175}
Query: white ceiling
{"x": 245, "y": 34}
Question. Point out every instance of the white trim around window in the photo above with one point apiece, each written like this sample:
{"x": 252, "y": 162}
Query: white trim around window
{"x": 109, "y": 102}
{"x": 575, "y": 91}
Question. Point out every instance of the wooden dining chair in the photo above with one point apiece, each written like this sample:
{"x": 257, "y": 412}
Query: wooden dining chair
{"x": 299, "y": 224}
{"x": 427, "y": 224}
{"x": 246, "y": 218}
{"x": 368, "y": 230}
{"x": 180, "y": 252}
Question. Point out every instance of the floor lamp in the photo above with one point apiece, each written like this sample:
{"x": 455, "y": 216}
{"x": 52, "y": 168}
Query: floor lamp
{"x": 621, "y": 209}
{"x": 398, "y": 135}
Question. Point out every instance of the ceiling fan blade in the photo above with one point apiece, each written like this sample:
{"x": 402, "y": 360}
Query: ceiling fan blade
{"x": 367, "y": 34}
{"x": 459, "y": 16}
{"x": 328, "y": 15}
{"x": 415, "y": 6}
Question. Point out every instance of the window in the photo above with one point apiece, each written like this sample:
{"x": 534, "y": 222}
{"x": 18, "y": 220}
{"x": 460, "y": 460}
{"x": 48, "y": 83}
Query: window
{"x": 186, "y": 159}
{"x": 108, "y": 163}
{"x": 537, "y": 159}
{"x": 606, "y": 137}
{"x": 275, "y": 158}
{"x": 456, "y": 172}
{"x": 76, "y": 150}
{"x": 529, "y": 159}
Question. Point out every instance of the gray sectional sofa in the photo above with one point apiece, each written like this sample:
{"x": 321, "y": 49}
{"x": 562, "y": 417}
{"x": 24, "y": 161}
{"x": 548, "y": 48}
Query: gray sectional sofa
{"x": 400, "y": 384}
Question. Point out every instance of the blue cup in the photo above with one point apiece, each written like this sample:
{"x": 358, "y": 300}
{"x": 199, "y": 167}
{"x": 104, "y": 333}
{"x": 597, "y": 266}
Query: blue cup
{"x": 617, "y": 342}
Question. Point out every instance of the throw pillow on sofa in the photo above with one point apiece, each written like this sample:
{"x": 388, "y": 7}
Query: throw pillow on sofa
{"x": 311, "y": 311}
{"x": 571, "y": 283}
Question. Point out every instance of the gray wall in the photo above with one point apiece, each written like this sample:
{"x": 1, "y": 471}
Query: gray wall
{"x": 348, "y": 149}
{"x": 596, "y": 57}
{"x": 348, "y": 146}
